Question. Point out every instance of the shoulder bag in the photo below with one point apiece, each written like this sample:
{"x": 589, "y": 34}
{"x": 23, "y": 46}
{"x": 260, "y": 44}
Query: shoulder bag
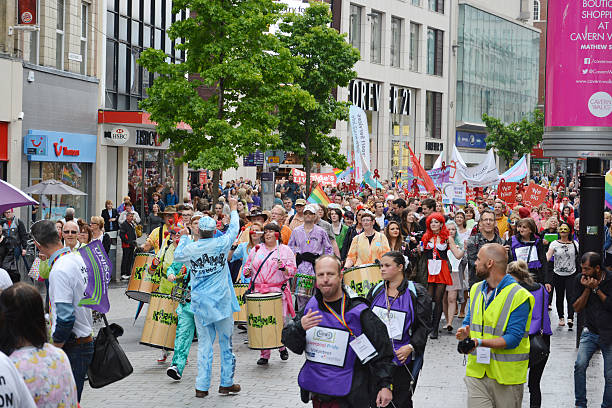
{"x": 109, "y": 363}
{"x": 539, "y": 349}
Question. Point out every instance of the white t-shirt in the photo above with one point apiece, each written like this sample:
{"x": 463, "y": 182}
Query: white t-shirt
{"x": 5, "y": 280}
{"x": 565, "y": 257}
{"x": 13, "y": 391}
{"x": 67, "y": 284}
{"x": 381, "y": 221}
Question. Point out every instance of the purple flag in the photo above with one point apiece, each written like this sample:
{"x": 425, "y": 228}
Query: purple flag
{"x": 99, "y": 270}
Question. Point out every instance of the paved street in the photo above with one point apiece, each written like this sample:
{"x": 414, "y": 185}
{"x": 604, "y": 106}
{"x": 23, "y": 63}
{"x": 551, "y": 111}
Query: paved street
{"x": 440, "y": 384}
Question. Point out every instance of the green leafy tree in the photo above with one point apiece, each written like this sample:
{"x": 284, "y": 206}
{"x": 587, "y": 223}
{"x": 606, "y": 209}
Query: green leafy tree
{"x": 327, "y": 61}
{"x": 231, "y": 55}
{"x": 516, "y": 138}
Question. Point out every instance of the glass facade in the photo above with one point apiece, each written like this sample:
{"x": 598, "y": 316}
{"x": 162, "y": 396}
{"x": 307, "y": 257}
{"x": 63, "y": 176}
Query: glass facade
{"x": 396, "y": 41}
{"x": 497, "y": 67}
{"x": 415, "y": 32}
{"x": 355, "y": 26}
{"x": 376, "y": 38}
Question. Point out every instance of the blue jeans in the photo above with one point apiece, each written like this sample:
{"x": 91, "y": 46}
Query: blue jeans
{"x": 589, "y": 343}
{"x": 80, "y": 357}
{"x": 206, "y": 338}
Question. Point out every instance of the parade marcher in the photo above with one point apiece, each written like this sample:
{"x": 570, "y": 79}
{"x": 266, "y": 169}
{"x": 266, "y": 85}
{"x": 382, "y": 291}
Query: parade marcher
{"x": 565, "y": 267}
{"x": 278, "y": 216}
{"x": 501, "y": 220}
{"x": 71, "y": 324}
{"x": 185, "y": 328}
{"x": 13, "y": 384}
{"x": 527, "y": 246}
{"x": 308, "y": 241}
{"x": 240, "y": 251}
{"x": 343, "y": 375}
{"x": 395, "y": 238}
{"x": 127, "y": 233}
{"x": 297, "y": 219}
{"x": 338, "y": 227}
{"x": 270, "y": 265}
{"x": 408, "y": 325}
{"x": 354, "y": 230}
{"x": 368, "y": 246}
{"x": 540, "y": 323}
{"x": 158, "y": 238}
{"x": 455, "y": 266}
{"x": 428, "y": 206}
{"x": 435, "y": 245}
{"x": 212, "y": 298}
{"x": 486, "y": 235}
{"x": 493, "y": 334}
{"x": 593, "y": 288}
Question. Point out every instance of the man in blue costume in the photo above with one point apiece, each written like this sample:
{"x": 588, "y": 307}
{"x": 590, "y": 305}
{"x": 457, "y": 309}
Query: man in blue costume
{"x": 212, "y": 298}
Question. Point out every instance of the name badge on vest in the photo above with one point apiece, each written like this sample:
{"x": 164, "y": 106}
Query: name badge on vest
{"x": 483, "y": 355}
{"x": 394, "y": 320}
{"x": 363, "y": 348}
{"x": 525, "y": 252}
{"x": 327, "y": 346}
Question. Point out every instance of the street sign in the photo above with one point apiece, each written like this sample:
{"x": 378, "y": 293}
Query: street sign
{"x": 253, "y": 159}
{"x": 275, "y": 157}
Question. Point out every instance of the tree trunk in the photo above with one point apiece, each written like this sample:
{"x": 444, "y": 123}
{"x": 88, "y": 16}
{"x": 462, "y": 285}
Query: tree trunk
{"x": 307, "y": 163}
{"x": 215, "y": 187}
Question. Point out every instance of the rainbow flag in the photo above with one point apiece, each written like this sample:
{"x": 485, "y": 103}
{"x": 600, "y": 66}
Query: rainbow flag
{"x": 608, "y": 195}
{"x": 343, "y": 174}
{"x": 318, "y": 196}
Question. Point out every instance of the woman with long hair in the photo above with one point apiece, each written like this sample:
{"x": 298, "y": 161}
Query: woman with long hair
{"x": 45, "y": 369}
{"x": 470, "y": 217}
{"x": 435, "y": 246}
{"x": 352, "y": 232}
{"x": 84, "y": 235}
{"x": 339, "y": 228}
{"x": 410, "y": 226}
{"x": 464, "y": 233}
{"x": 155, "y": 218}
{"x": 527, "y": 246}
{"x": 395, "y": 238}
{"x": 452, "y": 291}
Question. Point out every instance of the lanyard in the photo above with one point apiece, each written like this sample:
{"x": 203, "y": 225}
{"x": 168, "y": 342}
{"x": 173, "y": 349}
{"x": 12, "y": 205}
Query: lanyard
{"x": 340, "y": 318}
{"x": 58, "y": 257}
{"x": 387, "y": 300}
{"x": 485, "y": 298}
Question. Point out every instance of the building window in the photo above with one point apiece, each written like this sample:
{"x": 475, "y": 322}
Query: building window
{"x": 416, "y": 3}
{"x": 84, "y": 25}
{"x": 436, "y": 5}
{"x": 59, "y": 36}
{"x": 415, "y": 30}
{"x": 376, "y": 39}
{"x": 536, "y": 10}
{"x": 435, "y": 44}
{"x": 433, "y": 118}
{"x": 355, "y": 26}
{"x": 396, "y": 41}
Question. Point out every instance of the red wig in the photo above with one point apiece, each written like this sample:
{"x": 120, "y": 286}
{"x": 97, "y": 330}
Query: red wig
{"x": 429, "y": 234}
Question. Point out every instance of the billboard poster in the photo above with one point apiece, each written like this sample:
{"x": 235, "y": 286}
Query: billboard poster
{"x": 26, "y": 12}
{"x": 579, "y": 64}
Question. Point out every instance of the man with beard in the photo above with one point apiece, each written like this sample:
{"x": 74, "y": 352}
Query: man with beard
{"x": 495, "y": 324}
{"x": 486, "y": 235}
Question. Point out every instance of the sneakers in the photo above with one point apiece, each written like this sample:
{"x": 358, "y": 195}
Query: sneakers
{"x": 262, "y": 361}
{"x": 125, "y": 277}
{"x": 201, "y": 394}
{"x": 233, "y": 389}
{"x": 284, "y": 354}
{"x": 570, "y": 324}
{"x": 162, "y": 358}
{"x": 562, "y": 322}
{"x": 173, "y": 373}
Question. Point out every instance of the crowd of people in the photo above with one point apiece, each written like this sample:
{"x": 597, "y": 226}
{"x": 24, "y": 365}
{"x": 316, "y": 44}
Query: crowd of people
{"x": 486, "y": 272}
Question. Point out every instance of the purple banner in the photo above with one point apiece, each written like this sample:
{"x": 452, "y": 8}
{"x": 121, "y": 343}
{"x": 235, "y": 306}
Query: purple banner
{"x": 99, "y": 270}
{"x": 439, "y": 177}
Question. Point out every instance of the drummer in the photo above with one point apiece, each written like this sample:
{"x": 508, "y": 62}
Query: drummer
{"x": 270, "y": 266}
{"x": 241, "y": 251}
{"x": 368, "y": 246}
{"x": 308, "y": 241}
{"x": 185, "y": 328}
{"x": 407, "y": 330}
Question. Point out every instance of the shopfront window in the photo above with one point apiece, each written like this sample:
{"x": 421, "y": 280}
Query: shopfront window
{"x": 75, "y": 175}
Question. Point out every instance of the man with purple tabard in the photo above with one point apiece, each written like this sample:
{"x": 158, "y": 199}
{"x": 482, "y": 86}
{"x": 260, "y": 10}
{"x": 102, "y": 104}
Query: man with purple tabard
{"x": 348, "y": 353}
{"x": 307, "y": 242}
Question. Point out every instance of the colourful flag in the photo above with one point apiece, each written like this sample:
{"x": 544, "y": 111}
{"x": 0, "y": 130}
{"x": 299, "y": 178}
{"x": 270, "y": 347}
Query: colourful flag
{"x": 318, "y": 196}
{"x": 608, "y": 194}
{"x": 421, "y": 174}
{"x": 99, "y": 270}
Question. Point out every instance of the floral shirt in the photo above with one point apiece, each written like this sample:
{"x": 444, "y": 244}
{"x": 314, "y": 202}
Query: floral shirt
{"x": 47, "y": 375}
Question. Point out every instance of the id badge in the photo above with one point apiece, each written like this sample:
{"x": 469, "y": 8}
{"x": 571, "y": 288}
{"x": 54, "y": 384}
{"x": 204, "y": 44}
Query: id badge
{"x": 483, "y": 355}
{"x": 363, "y": 348}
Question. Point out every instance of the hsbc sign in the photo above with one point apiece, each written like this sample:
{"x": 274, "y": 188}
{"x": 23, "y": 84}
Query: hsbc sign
{"x": 119, "y": 135}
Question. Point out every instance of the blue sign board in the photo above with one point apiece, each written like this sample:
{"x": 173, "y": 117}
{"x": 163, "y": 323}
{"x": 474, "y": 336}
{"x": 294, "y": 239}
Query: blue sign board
{"x": 253, "y": 159}
{"x": 470, "y": 139}
{"x": 44, "y": 145}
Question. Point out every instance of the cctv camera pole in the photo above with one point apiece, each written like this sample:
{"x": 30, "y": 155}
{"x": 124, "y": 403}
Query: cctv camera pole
{"x": 591, "y": 233}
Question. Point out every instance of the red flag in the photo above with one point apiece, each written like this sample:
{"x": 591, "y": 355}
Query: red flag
{"x": 420, "y": 173}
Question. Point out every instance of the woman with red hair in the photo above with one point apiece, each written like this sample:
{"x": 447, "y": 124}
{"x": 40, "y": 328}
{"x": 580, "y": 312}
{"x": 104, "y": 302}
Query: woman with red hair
{"x": 435, "y": 245}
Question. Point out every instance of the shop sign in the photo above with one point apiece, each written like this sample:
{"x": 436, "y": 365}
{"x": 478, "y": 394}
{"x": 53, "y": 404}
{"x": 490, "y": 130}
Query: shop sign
{"x": 148, "y": 138}
{"x": 42, "y": 145}
{"x": 399, "y": 100}
{"x": 471, "y": 140}
{"x": 26, "y": 12}
{"x": 120, "y": 135}
{"x": 435, "y": 146}
{"x": 364, "y": 94}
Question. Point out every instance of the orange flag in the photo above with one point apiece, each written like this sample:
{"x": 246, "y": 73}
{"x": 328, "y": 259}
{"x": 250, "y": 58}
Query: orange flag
{"x": 420, "y": 173}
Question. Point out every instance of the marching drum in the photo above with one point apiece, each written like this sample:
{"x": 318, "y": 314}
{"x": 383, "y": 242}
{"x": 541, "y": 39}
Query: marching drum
{"x": 160, "y": 328}
{"x": 142, "y": 283}
{"x": 362, "y": 278}
{"x": 264, "y": 320}
{"x": 240, "y": 289}
{"x": 304, "y": 285}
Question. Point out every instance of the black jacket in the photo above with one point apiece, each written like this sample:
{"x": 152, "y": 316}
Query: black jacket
{"x": 108, "y": 226}
{"x": 17, "y": 234}
{"x": 348, "y": 239}
{"x": 473, "y": 245}
{"x": 421, "y": 304}
{"x": 598, "y": 315}
{"x": 127, "y": 233}
{"x": 379, "y": 369}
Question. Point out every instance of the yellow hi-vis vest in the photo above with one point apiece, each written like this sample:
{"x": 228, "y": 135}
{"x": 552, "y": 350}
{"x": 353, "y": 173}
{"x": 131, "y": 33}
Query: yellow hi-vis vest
{"x": 507, "y": 366}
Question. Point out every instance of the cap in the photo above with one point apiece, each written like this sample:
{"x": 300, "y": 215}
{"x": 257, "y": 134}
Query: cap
{"x": 310, "y": 208}
{"x": 300, "y": 201}
{"x": 207, "y": 224}
{"x": 524, "y": 212}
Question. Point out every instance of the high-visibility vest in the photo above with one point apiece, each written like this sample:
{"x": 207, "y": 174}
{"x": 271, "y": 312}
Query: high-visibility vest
{"x": 507, "y": 366}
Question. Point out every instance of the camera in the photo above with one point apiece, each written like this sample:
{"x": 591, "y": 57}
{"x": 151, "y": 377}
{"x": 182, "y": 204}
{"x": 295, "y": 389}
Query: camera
{"x": 466, "y": 345}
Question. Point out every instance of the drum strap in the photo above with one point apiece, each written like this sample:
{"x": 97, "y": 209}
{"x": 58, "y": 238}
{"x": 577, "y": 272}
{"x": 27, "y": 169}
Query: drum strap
{"x": 252, "y": 284}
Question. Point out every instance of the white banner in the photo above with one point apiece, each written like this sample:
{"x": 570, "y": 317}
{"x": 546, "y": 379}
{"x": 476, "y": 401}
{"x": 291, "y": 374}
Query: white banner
{"x": 361, "y": 140}
{"x": 483, "y": 175}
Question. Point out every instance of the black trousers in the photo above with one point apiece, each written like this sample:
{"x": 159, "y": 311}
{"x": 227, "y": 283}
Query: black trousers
{"x": 535, "y": 375}
{"x": 126, "y": 261}
{"x": 563, "y": 290}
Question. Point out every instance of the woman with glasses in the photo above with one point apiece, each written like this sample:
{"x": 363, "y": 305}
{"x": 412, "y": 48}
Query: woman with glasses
{"x": 84, "y": 235}
{"x": 565, "y": 252}
{"x": 97, "y": 232}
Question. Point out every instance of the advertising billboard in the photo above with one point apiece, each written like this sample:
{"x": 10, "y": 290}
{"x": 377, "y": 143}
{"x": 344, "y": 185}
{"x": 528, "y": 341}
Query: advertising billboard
{"x": 26, "y": 12}
{"x": 578, "y": 78}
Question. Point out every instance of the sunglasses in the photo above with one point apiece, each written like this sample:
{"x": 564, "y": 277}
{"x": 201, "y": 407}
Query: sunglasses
{"x": 70, "y": 232}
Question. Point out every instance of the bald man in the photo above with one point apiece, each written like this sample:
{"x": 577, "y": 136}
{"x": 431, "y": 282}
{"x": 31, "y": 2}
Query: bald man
{"x": 499, "y": 316}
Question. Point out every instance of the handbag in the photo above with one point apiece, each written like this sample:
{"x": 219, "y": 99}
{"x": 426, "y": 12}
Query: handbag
{"x": 35, "y": 270}
{"x": 538, "y": 348}
{"x": 109, "y": 363}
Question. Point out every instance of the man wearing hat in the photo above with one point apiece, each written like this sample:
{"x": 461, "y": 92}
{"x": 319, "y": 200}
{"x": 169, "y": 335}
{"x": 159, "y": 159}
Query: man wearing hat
{"x": 308, "y": 242}
{"x": 159, "y": 238}
{"x": 297, "y": 219}
{"x": 213, "y": 301}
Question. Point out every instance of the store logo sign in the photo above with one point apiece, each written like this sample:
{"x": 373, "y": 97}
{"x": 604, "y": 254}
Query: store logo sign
{"x": 364, "y": 94}
{"x": 600, "y": 104}
{"x": 59, "y": 149}
{"x": 36, "y": 145}
{"x": 119, "y": 135}
{"x": 147, "y": 138}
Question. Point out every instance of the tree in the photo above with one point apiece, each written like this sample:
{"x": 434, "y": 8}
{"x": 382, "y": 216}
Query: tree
{"x": 327, "y": 60}
{"x": 516, "y": 138}
{"x": 230, "y": 53}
